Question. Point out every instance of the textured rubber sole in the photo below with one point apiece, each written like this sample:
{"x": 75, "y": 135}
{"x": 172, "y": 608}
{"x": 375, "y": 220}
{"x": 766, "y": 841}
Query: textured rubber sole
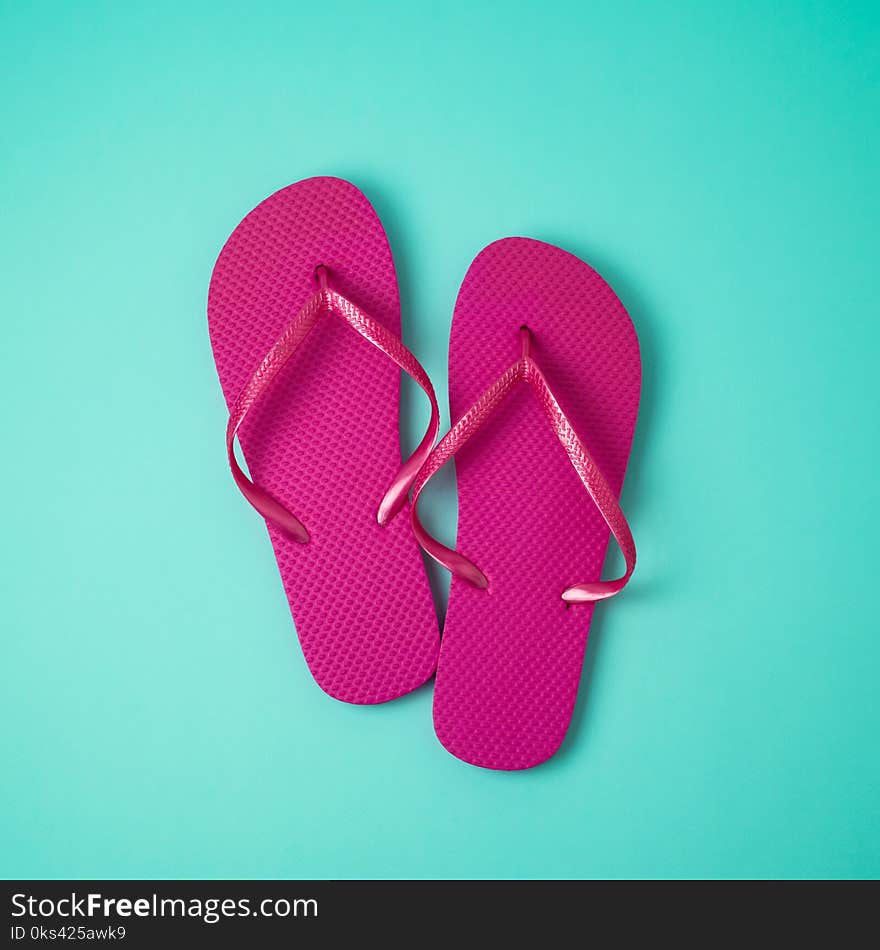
{"x": 324, "y": 440}
{"x": 511, "y": 656}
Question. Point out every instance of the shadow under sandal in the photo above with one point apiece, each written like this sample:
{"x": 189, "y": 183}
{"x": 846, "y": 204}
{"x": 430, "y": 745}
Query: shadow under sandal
{"x": 544, "y": 380}
{"x": 304, "y": 318}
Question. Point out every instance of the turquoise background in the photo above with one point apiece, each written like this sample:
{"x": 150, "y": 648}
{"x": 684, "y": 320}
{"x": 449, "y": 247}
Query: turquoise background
{"x": 718, "y": 163}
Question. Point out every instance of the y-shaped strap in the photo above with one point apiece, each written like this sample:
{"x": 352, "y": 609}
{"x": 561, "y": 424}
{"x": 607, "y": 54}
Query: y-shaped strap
{"x": 326, "y": 301}
{"x": 527, "y": 370}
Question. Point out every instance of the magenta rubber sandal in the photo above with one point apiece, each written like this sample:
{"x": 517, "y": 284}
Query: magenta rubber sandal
{"x": 544, "y": 380}
{"x": 304, "y": 319}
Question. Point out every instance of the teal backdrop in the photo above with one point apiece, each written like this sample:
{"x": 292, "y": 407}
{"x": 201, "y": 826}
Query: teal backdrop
{"x": 717, "y": 163}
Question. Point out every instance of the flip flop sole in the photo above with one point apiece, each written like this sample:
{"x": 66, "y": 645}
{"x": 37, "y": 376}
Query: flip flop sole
{"x": 324, "y": 439}
{"x": 511, "y": 655}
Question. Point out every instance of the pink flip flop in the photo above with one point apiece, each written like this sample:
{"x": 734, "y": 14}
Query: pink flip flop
{"x": 304, "y": 319}
{"x": 544, "y": 379}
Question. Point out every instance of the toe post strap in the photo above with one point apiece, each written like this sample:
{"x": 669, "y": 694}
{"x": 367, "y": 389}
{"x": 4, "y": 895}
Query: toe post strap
{"x": 526, "y": 370}
{"x": 323, "y": 302}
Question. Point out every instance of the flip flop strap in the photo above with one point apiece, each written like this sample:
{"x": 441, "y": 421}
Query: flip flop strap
{"x": 321, "y": 303}
{"x": 527, "y": 370}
